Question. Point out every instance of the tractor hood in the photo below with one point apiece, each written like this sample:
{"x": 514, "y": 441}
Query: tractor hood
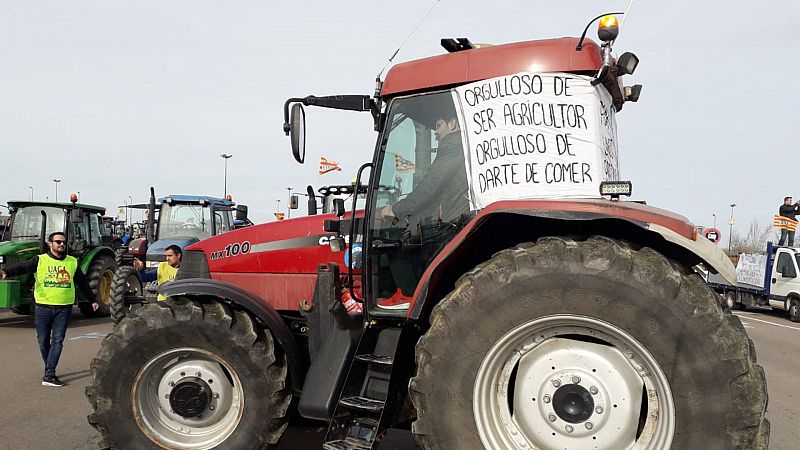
{"x": 9, "y": 248}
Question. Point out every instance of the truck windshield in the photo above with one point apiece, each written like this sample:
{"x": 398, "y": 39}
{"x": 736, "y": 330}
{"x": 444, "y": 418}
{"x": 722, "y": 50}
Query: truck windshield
{"x": 27, "y": 222}
{"x": 182, "y": 221}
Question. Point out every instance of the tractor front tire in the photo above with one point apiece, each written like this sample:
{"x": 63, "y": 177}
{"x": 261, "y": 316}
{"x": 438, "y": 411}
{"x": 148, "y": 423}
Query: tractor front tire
{"x": 101, "y": 275}
{"x": 591, "y": 344}
{"x": 126, "y": 283}
{"x": 187, "y": 373}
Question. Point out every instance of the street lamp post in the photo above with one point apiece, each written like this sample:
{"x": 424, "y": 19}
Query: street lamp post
{"x": 715, "y": 220}
{"x": 56, "y": 181}
{"x": 226, "y": 157}
{"x": 31, "y": 188}
{"x": 730, "y": 233}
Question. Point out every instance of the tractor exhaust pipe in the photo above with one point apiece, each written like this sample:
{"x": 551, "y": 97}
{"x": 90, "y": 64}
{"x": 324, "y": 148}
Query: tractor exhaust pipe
{"x": 45, "y": 248}
{"x": 151, "y": 216}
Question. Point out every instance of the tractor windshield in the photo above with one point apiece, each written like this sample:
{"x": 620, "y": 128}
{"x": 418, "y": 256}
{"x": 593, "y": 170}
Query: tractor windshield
{"x": 184, "y": 220}
{"x": 27, "y": 222}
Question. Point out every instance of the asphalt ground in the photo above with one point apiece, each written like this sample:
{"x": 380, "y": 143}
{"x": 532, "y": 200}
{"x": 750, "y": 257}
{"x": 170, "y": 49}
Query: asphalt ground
{"x": 41, "y": 418}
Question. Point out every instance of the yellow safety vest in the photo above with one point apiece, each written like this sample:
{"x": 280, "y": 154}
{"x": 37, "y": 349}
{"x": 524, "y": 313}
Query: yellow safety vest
{"x": 55, "y": 284}
{"x": 165, "y": 274}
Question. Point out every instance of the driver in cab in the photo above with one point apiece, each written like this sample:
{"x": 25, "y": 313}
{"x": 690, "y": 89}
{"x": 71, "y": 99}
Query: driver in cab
{"x": 444, "y": 185}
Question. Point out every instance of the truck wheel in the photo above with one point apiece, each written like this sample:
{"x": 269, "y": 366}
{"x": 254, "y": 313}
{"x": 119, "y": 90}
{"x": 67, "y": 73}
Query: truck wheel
{"x": 592, "y": 344}
{"x": 101, "y": 275}
{"x": 794, "y": 309}
{"x": 188, "y": 374}
{"x": 730, "y": 300}
{"x": 126, "y": 284}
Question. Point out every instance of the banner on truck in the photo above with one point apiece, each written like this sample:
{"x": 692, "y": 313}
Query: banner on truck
{"x": 751, "y": 269}
{"x": 532, "y": 135}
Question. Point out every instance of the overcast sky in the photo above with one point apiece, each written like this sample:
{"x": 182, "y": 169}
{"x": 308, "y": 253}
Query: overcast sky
{"x": 115, "y": 96}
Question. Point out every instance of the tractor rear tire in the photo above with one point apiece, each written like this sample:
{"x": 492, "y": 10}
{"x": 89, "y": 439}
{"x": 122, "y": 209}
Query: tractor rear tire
{"x": 638, "y": 347}
{"x": 101, "y": 275}
{"x": 187, "y": 373}
{"x": 126, "y": 283}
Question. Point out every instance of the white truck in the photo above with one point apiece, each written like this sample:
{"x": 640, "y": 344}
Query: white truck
{"x": 769, "y": 279}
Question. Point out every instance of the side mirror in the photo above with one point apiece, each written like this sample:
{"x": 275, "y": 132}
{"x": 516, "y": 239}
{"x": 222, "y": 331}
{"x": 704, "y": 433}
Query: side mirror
{"x": 338, "y": 207}
{"x": 241, "y": 212}
{"x": 294, "y": 201}
{"x": 337, "y": 244}
{"x": 297, "y": 122}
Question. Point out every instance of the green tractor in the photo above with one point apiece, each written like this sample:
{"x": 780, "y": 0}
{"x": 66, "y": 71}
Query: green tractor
{"x": 30, "y": 224}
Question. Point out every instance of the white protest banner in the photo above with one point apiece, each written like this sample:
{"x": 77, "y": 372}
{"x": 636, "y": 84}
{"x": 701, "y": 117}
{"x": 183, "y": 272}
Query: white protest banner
{"x": 530, "y": 135}
{"x": 751, "y": 269}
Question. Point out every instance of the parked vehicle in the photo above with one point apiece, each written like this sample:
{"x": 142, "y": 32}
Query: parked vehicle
{"x": 768, "y": 279}
{"x": 178, "y": 220}
{"x": 534, "y": 323}
{"x": 30, "y": 224}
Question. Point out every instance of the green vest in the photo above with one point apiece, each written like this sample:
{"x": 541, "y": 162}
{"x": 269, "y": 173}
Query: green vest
{"x": 54, "y": 280}
{"x": 165, "y": 274}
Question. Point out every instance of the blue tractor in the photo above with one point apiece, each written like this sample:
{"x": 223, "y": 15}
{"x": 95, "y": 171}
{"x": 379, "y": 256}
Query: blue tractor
{"x": 179, "y": 220}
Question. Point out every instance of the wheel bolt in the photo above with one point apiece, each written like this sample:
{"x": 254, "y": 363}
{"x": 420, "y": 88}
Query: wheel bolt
{"x": 599, "y": 410}
{"x": 216, "y": 394}
{"x": 546, "y": 399}
{"x": 199, "y": 375}
{"x": 552, "y": 417}
{"x": 576, "y": 379}
{"x": 568, "y": 428}
{"x": 166, "y": 395}
{"x": 172, "y": 383}
{"x": 556, "y": 383}
{"x": 593, "y": 390}
{"x": 211, "y": 407}
{"x": 589, "y": 425}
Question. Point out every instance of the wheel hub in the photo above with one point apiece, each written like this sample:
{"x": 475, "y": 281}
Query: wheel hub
{"x": 573, "y": 403}
{"x": 190, "y": 397}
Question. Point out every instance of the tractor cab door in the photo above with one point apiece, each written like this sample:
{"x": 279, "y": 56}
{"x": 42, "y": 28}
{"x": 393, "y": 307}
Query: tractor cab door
{"x": 418, "y": 202}
{"x": 78, "y": 233}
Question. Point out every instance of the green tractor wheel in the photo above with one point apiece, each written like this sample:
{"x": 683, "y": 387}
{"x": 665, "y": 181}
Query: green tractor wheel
{"x": 101, "y": 274}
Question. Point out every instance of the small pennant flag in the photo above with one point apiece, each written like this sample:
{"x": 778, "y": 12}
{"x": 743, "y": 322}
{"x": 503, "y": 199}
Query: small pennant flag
{"x": 326, "y": 165}
{"x": 280, "y": 215}
{"x": 403, "y": 165}
{"x": 784, "y": 222}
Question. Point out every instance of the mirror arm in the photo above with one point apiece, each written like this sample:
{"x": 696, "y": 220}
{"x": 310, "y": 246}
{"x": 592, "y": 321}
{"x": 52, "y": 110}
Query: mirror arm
{"x": 345, "y": 102}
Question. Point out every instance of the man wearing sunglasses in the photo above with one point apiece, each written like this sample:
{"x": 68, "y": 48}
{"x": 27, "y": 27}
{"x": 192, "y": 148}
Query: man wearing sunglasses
{"x": 57, "y": 274}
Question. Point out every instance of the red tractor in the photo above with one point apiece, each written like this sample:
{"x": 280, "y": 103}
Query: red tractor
{"x": 487, "y": 322}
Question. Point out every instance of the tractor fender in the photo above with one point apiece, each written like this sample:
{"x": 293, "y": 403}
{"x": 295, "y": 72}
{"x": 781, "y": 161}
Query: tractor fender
{"x": 266, "y": 315}
{"x": 87, "y": 259}
{"x": 488, "y": 233}
{"x": 706, "y": 250}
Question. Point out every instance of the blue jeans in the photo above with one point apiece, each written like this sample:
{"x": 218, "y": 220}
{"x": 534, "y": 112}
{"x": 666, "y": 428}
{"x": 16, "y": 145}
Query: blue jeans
{"x": 51, "y": 327}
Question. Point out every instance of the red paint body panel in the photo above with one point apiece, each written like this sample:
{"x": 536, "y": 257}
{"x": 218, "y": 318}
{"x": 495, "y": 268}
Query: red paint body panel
{"x": 281, "y": 266}
{"x": 548, "y": 55}
{"x": 595, "y": 208}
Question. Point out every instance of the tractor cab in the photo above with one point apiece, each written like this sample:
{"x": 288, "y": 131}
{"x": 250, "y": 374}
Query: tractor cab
{"x": 185, "y": 219}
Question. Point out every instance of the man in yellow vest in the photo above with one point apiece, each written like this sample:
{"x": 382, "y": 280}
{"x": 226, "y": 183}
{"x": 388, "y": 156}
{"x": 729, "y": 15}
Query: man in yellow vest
{"x": 57, "y": 274}
{"x": 166, "y": 270}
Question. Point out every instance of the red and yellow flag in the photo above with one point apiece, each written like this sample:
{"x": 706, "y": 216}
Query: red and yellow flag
{"x": 403, "y": 165}
{"x": 326, "y": 165}
{"x": 784, "y": 223}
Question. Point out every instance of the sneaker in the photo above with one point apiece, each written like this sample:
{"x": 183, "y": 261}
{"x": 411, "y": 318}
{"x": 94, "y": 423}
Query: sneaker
{"x": 51, "y": 380}
{"x": 396, "y": 301}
